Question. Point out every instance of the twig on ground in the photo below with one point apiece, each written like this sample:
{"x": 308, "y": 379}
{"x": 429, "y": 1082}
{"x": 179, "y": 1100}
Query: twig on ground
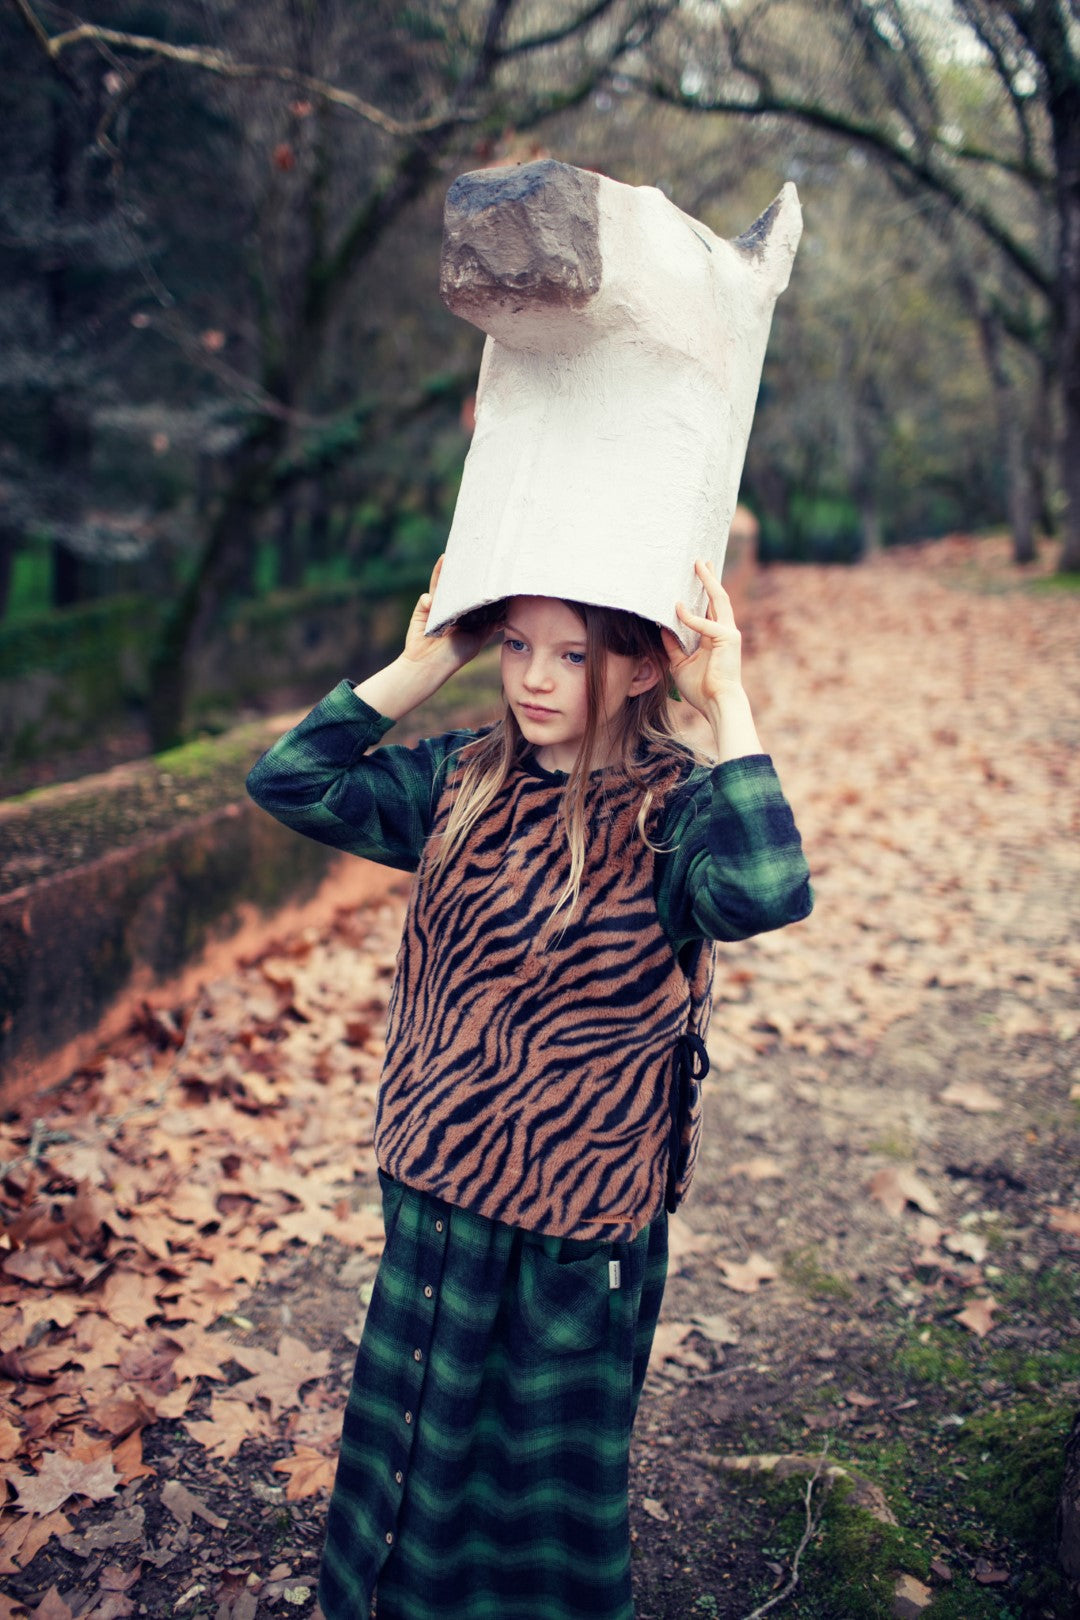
{"x": 813, "y": 1521}
{"x": 717, "y": 1372}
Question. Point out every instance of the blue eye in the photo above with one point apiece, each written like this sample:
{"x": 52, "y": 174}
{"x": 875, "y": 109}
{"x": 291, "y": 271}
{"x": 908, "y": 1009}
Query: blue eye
{"x": 513, "y": 643}
{"x": 576, "y": 658}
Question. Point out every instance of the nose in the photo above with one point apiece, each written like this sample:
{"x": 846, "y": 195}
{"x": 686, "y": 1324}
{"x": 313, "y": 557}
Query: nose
{"x": 538, "y": 675}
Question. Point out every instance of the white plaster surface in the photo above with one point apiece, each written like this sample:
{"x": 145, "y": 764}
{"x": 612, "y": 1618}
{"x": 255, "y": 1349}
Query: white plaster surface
{"x": 610, "y": 438}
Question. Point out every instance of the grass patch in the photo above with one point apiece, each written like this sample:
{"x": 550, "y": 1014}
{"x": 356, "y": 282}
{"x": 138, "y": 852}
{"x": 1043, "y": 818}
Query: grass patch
{"x": 803, "y": 1270}
{"x": 893, "y": 1144}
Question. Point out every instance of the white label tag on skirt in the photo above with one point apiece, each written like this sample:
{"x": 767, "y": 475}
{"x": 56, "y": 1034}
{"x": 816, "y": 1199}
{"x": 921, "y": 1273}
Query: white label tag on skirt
{"x": 614, "y": 1272}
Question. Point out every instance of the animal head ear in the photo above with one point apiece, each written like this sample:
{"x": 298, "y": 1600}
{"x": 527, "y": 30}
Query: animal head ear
{"x": 772, "y": 239}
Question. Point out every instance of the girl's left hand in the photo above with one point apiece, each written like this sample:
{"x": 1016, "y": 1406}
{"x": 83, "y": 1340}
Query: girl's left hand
{"x": 714, "y": 669}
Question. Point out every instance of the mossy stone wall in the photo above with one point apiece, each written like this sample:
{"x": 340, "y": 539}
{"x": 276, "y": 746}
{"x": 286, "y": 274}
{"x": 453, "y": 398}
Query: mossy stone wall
{"x": 69, "y": 677}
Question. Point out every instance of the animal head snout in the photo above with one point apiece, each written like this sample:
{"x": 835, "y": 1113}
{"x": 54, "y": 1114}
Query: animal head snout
{"x": 522, "y": 240}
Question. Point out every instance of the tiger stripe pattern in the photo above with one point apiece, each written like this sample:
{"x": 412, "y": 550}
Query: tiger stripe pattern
{"x": 529, "y": 1079}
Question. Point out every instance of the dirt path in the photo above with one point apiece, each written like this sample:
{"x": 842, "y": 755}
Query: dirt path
{"x": 877, "y": 1265}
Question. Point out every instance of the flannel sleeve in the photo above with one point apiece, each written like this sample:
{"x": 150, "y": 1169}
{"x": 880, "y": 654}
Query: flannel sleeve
{"x": 320, "y": 779}
{"x": 730, "y": 861}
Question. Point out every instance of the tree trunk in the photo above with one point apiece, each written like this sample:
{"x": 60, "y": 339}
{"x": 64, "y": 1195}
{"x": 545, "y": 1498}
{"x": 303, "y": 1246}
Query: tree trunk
{"x": 319, "y": 525}
{"x": 1044, "y": 449}
{"x": 1014, "y": 451}
{"x": 1068, "y": 1514}
{"x": 871, "y": 538}
{"x": 290, "y": 560}
{"x": 224, "y": 560}
{"x": 9, "y": 545}
{"x": 1065, "y": 122}
{"x": 67, "y": 429}
{"x": 66, "y": 586}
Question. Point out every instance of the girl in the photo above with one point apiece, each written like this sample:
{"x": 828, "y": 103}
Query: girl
{"x": 538, "y": 1111}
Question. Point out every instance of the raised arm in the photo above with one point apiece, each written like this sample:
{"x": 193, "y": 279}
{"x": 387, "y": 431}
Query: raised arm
{"x": 320, "y": 779}
{"x": 731, "y": 861}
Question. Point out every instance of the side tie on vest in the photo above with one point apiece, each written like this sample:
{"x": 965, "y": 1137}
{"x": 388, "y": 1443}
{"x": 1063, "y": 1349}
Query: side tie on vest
{"x": 691, "y": 1065}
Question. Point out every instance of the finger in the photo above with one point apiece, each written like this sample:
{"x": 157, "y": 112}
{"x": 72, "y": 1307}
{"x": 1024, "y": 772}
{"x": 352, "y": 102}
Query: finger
{"x": 672, "y": 645}
{"x": 436, "y": 571}
{"x": 704, "y": 626}
{"x": 720, "y": 608}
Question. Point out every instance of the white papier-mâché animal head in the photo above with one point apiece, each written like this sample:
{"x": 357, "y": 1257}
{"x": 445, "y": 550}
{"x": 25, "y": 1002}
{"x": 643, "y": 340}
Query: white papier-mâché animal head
{"x": 617, "y": 386}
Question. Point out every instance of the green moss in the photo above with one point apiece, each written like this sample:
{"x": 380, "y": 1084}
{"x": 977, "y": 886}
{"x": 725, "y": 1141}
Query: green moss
{"x": 803, "y": 1269}
{"x": 1014, "y": 1459}
{"x": 1055, "y": 584}
{"x": 852, "y": 1563}
{"x": 78, "y": 640}
{"x": 1052, "y": 1292}
{"x": 936, "y": 1355}
{"x": 1029, "y": 1370}
{"x": 850, "y": 1566}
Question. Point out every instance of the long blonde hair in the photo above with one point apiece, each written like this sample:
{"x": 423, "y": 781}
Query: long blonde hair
{"x": 640, "y": 733}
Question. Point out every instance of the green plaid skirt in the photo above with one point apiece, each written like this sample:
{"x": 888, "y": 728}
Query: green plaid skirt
{"x": 484, "y": 1461}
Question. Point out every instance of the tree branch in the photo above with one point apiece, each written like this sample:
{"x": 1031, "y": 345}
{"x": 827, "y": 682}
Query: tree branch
{"x": 555, "y": 36}
{"x": 876, "y": 140}
{"x": 813, "y": 1521}
{"x": 215, "y": 61}
{"x": 979, "y": 26}
{"x": 34, "y": 24}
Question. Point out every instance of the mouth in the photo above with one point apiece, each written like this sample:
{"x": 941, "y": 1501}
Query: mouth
{"x": 535, "y": 712}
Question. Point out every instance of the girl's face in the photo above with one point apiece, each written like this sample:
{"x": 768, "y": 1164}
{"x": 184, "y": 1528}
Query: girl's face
{"x": 543, "y": 677}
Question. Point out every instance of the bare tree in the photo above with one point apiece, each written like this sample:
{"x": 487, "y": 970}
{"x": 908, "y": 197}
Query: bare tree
{"x": 879, "y": 75}
{"x": 324, "y": 171}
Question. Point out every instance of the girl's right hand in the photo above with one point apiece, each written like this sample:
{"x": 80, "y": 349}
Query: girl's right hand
{"x": 447, "y": 652}
{"x": 424, "y": 663}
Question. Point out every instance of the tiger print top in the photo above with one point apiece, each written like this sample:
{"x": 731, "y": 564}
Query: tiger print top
{"x": 529, "y": 1081}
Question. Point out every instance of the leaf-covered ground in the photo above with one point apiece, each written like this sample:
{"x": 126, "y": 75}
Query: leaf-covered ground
{"x": 872, "y": 1325}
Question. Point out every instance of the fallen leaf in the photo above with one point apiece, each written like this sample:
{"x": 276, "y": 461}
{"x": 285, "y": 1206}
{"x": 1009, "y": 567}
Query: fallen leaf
{"x": 972, "y": 1245}
{"x": 972, "y": 1095}
{"x": 185, "y": 1505}
{"x": 1064, "y": 1220}
{"x": 655, "y": 1509}
{"x": 978, "y": 1315}
{"x": 716, "y": 1326}
{"x": 759, "y": 1168}
{"x": 23, "y": 1537}
{"x": 10, "y": 1440}
{"x": 309, "y": 1473}
{"x": 119, "y": 1530}
{"x": 896, "y": 1186}
{"x": 746, "y": 1276}
{"x": 230, "y": 1423}
{"x": 127, "y": 1301}
{"x": 278, "y": 1379}
{"x": 684, "y": 1243}
{"x": 988, "y": 1574}
{"x": 910, "y": 1598}
{"x": 202, "y": 1354}
{"x": 61, "y": 1477}
{"x": 115, "y": 1579}
{"x": 52, "y": 1607}
{"x": 668, "y": 1341}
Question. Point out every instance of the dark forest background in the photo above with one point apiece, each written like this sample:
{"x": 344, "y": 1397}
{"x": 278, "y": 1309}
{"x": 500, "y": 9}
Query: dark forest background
{"x": 233, "y": 412}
